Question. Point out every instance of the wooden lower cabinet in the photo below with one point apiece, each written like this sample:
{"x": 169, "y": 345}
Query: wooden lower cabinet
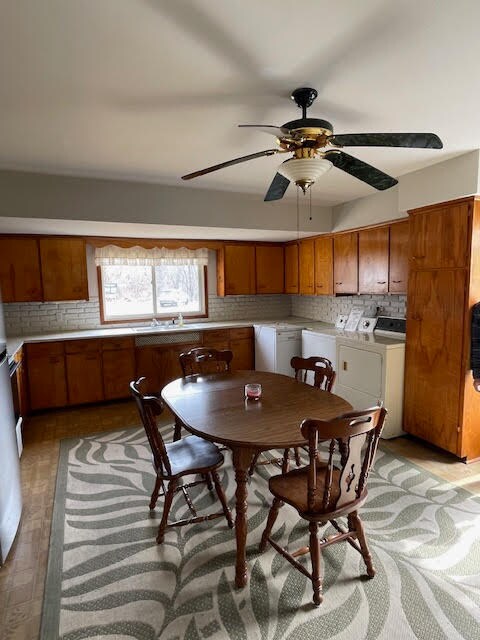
{"x": 47, "y": 383}
{"x": 243, "y": 357}
{"x": 118, "y": 371}
{"x": 84, "y": 377}
{"x": 159, "y": 364}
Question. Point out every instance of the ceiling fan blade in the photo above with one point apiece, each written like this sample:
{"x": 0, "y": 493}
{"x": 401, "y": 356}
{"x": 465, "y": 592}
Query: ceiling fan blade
{"x": 412, "y": 140}
{"x": 361, "y": 170}
{"x": 280, "y": 132}
{"x": 229, "y": 163}
{"x": 277, "y": 189}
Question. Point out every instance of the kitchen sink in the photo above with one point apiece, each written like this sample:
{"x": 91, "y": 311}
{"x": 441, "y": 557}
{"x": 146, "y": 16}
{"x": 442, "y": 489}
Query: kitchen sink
{"x": 170, "y": 327}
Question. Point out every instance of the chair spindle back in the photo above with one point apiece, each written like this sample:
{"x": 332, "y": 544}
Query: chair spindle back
{"x": 202, "y": 360}
{"x": 353, "y": 440}
{"x": 324, "y": 374}
{"x": 150, "y": 407}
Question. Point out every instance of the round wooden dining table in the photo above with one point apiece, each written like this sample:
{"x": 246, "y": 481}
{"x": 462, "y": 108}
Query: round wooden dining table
{"x": 213, "y": 407}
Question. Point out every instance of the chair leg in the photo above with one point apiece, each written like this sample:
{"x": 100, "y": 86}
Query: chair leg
{"x": 355, "y": 524}
{"x": 222, "y": 498}
{"x": 208, "y": 480}
{"x": 316, "y": 555}
{"x": 254, "y": 463}
{"x": 286, "y": 461}
{"x": 156, "y": 491}
{"x": 166, "y": 510}
{"x": 177, "y": 433}
{"x": 298, "y": 461}
{"x": 272, "y": 516}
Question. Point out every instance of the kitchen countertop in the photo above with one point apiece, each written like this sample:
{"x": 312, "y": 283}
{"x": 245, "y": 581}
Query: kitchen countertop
{"x": 14, "y": 343}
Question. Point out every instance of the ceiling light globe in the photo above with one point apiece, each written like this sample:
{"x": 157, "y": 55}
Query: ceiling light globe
{"x": 304, "y": 171}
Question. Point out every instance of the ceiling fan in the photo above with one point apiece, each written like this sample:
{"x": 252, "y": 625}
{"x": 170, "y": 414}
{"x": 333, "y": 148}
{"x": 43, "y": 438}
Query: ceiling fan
{"x": 310, "y": 140}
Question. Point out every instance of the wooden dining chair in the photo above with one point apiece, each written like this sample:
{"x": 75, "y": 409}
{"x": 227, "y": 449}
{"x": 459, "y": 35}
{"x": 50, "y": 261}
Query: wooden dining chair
{"x": 204, "y": 360}
{"x": 322, "y": 492}
{"x": 323, "y": 378}
{"x": 174, "y": 460}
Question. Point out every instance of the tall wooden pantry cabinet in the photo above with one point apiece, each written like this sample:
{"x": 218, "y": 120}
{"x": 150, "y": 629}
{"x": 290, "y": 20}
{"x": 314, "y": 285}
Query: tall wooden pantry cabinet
{"x": 441, "y": 405}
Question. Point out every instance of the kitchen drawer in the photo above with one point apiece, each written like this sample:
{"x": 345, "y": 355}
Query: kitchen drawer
{"x": 111, "y": 344}
{"x": 241, "y": 333}
{"x": 42, "y": 349}
{"x": 360, "y": 369}
{"x": 82, "y": 346}
{"x": 216, "y": 337}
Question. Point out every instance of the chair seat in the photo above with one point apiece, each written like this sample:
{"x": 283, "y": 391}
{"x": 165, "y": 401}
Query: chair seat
{"x": 292, "y": 488}
{"x": 192, "y": 453}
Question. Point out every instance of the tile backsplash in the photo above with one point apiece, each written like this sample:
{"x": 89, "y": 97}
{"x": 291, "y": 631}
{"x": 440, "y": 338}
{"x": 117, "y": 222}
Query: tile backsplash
{"x": 47, "y": 317}
{"x": 327, "y": 308}
{"x": 37, "y": 317}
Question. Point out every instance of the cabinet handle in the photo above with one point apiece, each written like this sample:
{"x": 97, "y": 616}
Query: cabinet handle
{"x": 418, "y": 257}
{"x": 344, "y": 365}
{"x": 397, "y": 281}
{"x": 381, "y": 282}
{"x": 338, "y": 282}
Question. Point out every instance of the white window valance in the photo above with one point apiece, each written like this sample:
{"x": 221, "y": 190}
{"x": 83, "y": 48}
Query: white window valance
{"x": 139, "y": 256}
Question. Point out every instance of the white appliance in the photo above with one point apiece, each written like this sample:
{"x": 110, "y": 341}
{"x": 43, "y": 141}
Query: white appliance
{"x": 275, "y": 346}
{"x": 319, "y": 343}
{"x": 370, "y": 369}
{"x": 10, "y": 488}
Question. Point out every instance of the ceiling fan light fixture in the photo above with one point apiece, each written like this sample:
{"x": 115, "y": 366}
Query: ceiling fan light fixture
{"x": 304, "y": 171}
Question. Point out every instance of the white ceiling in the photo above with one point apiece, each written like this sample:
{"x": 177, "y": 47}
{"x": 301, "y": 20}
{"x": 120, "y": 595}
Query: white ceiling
{"x": 151, "y": 90}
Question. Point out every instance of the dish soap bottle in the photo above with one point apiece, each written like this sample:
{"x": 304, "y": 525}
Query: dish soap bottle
{"x": 180, "y": 320}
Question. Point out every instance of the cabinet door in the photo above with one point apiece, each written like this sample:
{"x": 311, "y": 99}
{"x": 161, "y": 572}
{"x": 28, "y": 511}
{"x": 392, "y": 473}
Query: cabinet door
{"x": 373, "y": 260}
{"x": 439, "y": 237}
{"x": 307, "y": 267}
{"x": 399, "y": 248}
{"x": 291, "y": 268}
{"x": 324, "y": 266}
{"x": 269, "y": 263}
{"x": 243, "y": 354}
{"x": 47, "y": 381}
{"x": 20, "y": 279}
{"x": 345, "y": 263}
{"x": 433, "y": 368}
{"x": 64, "y": 268}
{"x": 118, "y": 372}
{"x": 239, "y": 269}
{"x": 216, "y": 339}
{"x": 84, "y": 377}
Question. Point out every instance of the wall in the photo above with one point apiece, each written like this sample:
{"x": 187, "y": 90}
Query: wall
{"x": 328, "y": 308}
{"x": 448, "y": 180}
{"x": 34, "y": 195}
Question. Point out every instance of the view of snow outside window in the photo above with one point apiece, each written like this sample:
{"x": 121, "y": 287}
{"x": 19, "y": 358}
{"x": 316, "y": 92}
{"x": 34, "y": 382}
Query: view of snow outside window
{"x": 131, "y": 292}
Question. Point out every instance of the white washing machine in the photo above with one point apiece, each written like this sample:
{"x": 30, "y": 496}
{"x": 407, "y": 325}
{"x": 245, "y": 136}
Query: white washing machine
{"x": 321, "y": 342}
{"x": 370, "y": 369}
{"x": 275, "y": 346}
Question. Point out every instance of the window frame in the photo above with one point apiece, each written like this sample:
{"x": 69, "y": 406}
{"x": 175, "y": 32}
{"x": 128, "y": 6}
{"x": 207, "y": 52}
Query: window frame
{"x": 132, "y": 319}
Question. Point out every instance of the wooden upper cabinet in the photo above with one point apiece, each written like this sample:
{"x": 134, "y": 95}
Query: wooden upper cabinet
{"x": 373, "y": 260}
{"x": 345, "y": 263}
{"x": 20, "y": 279}
{"x": 64, "y": 268}
{"x": 269, "y": 261}
{"x": 239, "y": 269}
{"x": 291, "y": 268}
{"x": 440, "y": 236}
{"x": 324, "y": 266}
{"x": 399, "y": 247}
{"x": 306, "y": 260}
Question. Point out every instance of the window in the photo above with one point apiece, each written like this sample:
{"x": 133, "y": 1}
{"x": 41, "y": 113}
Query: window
{"x": 143, "y": 284}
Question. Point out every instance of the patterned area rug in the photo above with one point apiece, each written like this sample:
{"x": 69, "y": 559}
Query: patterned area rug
{"x": 108, "y": 579}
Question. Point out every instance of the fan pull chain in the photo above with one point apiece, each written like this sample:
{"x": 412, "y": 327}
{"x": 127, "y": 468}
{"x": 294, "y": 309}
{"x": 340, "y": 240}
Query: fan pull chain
{"x": 298, "y": 214}
{"x": 310, "y": 190}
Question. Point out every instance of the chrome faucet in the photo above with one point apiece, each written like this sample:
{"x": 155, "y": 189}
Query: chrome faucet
{"x": 155, "y": 322}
